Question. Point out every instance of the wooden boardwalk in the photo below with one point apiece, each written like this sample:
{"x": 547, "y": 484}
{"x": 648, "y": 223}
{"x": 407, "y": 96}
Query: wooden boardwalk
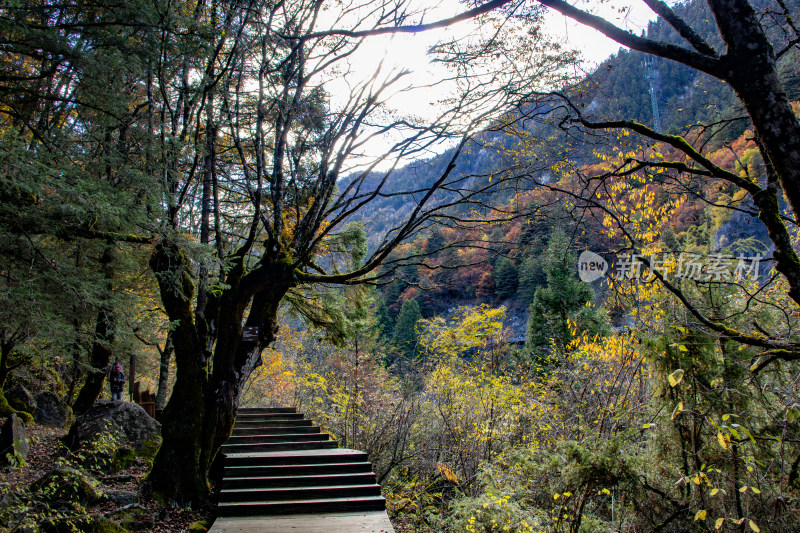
{"x": 283, "y": 474}
{"x": 366, "y": 522}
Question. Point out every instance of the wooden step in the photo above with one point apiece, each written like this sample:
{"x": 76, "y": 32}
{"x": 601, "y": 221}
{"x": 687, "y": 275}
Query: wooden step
{"x": 280, "y": 437}
{"x": 285, "y": 457}
{"x": 274, "y": 430}
{"x": 277, "y": 446}
{"x": 261, "y": 410}
{"x": 327, "y": 505}
{"x": 269, "y": 416}
{"x": 271, "y": 423}
{"x": 275, "y": 494}
{"x": 240, "y": 472}
{"x": 308, "y": 480}
{"x": 277, "y": 463}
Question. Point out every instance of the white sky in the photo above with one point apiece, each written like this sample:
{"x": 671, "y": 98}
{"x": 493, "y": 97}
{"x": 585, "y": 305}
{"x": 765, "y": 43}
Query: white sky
{"x": 409, "y": 52}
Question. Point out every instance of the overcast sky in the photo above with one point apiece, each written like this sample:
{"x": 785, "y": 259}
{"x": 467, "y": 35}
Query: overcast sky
{"x": 409, "y": 52}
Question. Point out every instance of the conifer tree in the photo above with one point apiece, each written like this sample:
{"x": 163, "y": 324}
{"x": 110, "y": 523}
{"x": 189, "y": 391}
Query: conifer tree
{"x": 563, "y": 299}
{"x": 505, "y": 278}
{"x": 405, "y": 334}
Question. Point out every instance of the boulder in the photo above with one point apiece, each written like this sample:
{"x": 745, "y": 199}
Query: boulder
{"x": 122, "y": 497}
{"x": 14, "y": 445}
{"x": 36, "y": 378}
{"x": 12, "y": 509}
{"x": 67, "y": 485}
{"x": 20, "y": 398}
{"x": 21, "y": 377}
{"x": 114, "y": 434}
{"x": 51, "y": 410}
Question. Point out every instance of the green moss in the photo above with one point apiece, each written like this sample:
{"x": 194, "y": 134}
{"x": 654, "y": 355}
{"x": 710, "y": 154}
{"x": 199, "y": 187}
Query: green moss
{"x": 107, "y": 526}
{"x": 148, "y": 449}
{"x": 89, "y": 524}
{"x": 68, "y": 484}
{"x": 122, "y": 459}
{"x": 6, "y": 410}
{"x": 135, "y": 519}
{"x": 200, "y": 525}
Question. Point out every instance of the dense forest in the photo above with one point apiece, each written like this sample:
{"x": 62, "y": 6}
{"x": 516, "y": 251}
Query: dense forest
{"x": 579, "y": 315}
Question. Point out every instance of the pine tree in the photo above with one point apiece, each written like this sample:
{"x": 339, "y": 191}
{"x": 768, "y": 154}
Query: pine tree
{"x": 505, "y": 278}
{"x": 405, "y": 333}
{"x": 564, "y": 298}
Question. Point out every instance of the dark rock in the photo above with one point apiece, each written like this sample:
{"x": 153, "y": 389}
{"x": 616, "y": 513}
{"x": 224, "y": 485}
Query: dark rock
{"x": 13, "y": 509}
{"x": 122, "y": 497}
{"x": 113, "y": 435}
{"x": 135, "y": 519}
{"x": 51, "y": 410}
{"x": 118, "y": 479}
{"x": 9, "y": 499}
{"x": 67, "y": 484}
{"x": 139, "y": 525}
{"x": 20, "y": 398}
{"x": 36, "y": 379}
{"x": 21, "y": 377}
{"x": 13, "y": 442}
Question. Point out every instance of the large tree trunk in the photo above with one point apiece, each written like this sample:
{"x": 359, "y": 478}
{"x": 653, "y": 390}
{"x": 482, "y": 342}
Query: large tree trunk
{"x": 101, "y": 348}
{"x": 163, "y": 374}
{"x": 201, "y": 411}
{"x": 749, "y": 66}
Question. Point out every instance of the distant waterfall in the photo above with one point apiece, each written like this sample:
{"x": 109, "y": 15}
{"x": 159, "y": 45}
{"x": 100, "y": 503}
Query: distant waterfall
{"x": 654, "y": 79}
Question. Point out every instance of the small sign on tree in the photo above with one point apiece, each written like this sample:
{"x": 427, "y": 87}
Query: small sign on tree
{"x": 250, "y": 334}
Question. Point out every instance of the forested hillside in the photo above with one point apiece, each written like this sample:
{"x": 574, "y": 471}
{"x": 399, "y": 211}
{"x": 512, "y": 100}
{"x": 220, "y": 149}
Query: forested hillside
{"x": 581, "y": 316}
{"x": 618, "y": 87}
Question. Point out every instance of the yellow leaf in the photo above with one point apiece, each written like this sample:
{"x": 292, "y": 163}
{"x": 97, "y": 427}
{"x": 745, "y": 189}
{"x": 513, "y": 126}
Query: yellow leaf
{"x": 754, "y": 527}
{"x": 724, "y": 440}
{"x": 677, "y": 410}
{"x": 701, "y": 515}
{"x": 675, "y": 377}
{"x": 718, "y": 523}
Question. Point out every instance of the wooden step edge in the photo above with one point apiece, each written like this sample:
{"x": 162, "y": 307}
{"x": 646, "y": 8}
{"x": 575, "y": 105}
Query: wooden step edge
{"x": 300, "y": 488}
{"x": 312, "y": 506}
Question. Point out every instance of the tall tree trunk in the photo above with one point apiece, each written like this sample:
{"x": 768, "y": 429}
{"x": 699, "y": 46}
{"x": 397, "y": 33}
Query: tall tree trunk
{"x": 103, "y": 338}
{"x": 163, "y": 374}
{"x": 750, "y": 67}
{"x": 200, "y": 413}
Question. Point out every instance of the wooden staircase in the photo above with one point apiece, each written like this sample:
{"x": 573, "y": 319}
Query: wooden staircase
{"x": 279, "y": 463}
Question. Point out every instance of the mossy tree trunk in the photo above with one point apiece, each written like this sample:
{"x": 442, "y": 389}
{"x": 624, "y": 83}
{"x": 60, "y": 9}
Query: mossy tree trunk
{"x": 100, "y": 356}
{"x": 7, "y": 345}
{"x": 199, "y": 416}
{"x": 163, "y": 373}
